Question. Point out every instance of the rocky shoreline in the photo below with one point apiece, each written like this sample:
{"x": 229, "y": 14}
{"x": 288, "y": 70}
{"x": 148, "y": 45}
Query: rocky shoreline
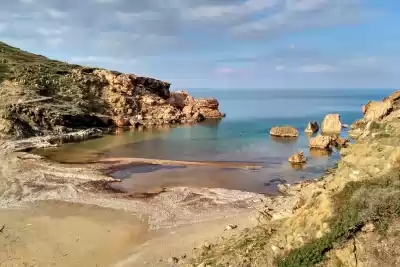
{"x": 350, "y": 217}
{"x": 40, "y": 96}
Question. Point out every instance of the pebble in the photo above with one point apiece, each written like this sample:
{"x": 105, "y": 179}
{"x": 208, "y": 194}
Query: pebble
{"x": 173, "y": 260}
{"x": 207, "y": 245}
{"x": 231, "y": 227}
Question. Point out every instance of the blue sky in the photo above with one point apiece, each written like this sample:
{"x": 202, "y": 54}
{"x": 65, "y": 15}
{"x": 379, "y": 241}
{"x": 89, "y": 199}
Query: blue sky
{"x": 218, "y": 43}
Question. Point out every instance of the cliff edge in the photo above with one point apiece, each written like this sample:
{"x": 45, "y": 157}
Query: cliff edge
{"x": 40, "y": 96}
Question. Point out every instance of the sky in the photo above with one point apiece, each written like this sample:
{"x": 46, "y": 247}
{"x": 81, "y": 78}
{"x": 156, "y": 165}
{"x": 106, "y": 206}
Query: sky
{"x": 218, "y": 43}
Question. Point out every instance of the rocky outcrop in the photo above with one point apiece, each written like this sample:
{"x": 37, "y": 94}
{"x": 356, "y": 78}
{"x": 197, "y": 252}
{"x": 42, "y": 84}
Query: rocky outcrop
{"x": 284, "y": 131}
{"x": 40, "y": 96}
{"x": 375, "y": 110}
{"x": 206, "y": 107}
{"x": 312, "y": 127}
{"x": 321, "y": 142}
{"x": 331, "y": 124}
{"x": 298, "y": 158}
{"x": 340, "y": 141}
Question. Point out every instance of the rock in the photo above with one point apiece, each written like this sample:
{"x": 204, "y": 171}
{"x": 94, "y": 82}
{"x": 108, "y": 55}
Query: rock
{"x": 339, "y": 141}
{"x": 376, "y": 110}
{"x": 284, "y": 131}
{"x": 369, "y": 227}
{"x": 173, "y": 260}
{"x": 231, "y": 227}
{"x": 207, "y": 245}
{"x": 298, "y": 158}
{"x": 197, "y": 117}
{"x": 208, "y": 107}
{"x": 394, "y": 97}
{"x": 321, "y": 142}
{"x": 312, "y": 127}
{"x": 178, "y": 99}
{"x": 331, "y": 124}
{"x": 345, "y": 126}
{"x": 121, "y": 122}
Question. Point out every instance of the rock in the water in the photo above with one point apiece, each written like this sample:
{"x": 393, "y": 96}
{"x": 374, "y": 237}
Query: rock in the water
{"x": 321, "y": 142}
{"x": 298, "y": 158}
{"x": 339, "y": 141}
{"x": 312, "y": 127}
{"x": 208, "y": 107}
{"x": 375, "y": 110}
{"x": 331, "y": 124}
{"x": 345, "y": 126}
{"x": 284, "y": 131}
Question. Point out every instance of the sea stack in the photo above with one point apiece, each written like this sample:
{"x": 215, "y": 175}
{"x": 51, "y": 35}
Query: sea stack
{"x": 312, "y": 127}
{"x": 331, "y": 124}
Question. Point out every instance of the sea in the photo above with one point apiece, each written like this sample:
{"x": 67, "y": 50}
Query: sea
{"x": 242, "y": 136}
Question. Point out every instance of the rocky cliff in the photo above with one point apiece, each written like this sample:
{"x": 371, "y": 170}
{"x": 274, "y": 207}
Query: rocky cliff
{"x": 350, "y": 217}
{"x": 41, "y": 96}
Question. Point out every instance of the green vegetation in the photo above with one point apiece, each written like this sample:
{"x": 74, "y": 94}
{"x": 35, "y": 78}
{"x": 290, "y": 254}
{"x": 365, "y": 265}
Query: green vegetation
{"x": 376, "y": 201}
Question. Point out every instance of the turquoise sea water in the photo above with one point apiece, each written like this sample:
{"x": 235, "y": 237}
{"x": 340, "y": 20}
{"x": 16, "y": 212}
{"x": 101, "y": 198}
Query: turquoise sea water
{"x": 242, "y": 136}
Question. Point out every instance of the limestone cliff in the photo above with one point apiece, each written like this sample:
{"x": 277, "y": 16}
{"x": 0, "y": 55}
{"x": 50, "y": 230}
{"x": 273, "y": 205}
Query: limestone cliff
{"x": 41, "y": 96}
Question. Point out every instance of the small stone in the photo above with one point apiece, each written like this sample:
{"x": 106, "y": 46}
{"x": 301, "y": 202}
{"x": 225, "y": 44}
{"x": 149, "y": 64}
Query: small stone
{"x": 298, "y": 158}
{"x": 369, "y": 227}
{"x": 201, "y": 265}
{"x": 173, "y": 260}
{"x": 231, "y": 227}
{"x": 207, "y": 245}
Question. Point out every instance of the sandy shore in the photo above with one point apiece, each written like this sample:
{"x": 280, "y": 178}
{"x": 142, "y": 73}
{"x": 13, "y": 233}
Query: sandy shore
{"x": 66, "y": 215}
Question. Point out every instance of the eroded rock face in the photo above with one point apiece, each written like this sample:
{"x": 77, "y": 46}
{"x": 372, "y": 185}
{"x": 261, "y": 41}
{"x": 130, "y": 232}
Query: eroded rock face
{"x": 375, "y": 110}
{"x": 284, "y": 131}
{"x": 298, "y": 158}
{"x": 321, "y": 142}
{"x": 312, "y": 127}
{"x": 331, "y": 124}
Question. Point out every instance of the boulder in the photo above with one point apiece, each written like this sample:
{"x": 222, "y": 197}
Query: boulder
{"x": 178, "y": 99}
{"x": 339, "y": 141}
{"x": 284, "y": 131}
{"x": 394, "y": 97}
{"x": 321, "y": 142}
{"x": 121, "y": 121}
{"x": 312, "y": 127}
{"x": 208, "y": 107}
{"x": 375, "y": 110}
{"x": 298, "y": 158}
{"x": 331, "y": 124}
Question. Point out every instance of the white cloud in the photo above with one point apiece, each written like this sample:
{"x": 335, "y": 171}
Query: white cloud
{"x": 223, "y": 11}
{"x": 128, "y": 17}
{"x": 57, "y": 14}
{"x": 26, "y": 1}
{"x": 51, "y": 32}
{"x": 280, "y": 68}
{"x": 300, "y": 15}
{"x": 307, "y": 5}
{"x": 317, "y": 68}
